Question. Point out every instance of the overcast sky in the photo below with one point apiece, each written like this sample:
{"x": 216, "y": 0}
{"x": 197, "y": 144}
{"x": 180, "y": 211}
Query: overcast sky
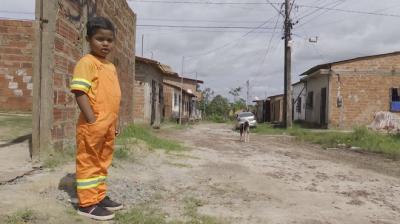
{"x": 225, "y": 58}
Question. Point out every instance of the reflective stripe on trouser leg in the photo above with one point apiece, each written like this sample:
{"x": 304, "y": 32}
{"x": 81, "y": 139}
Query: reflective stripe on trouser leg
{"x": 89, "y": 144}
{"x": 106, "y": 160}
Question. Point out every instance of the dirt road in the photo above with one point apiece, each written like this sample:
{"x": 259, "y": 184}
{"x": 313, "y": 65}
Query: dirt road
{"x": 272, "y": 179}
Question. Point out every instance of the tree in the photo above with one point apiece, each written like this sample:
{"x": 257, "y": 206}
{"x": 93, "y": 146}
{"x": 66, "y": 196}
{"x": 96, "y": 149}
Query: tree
{"x": 235, "y": 92}
{"x": 219, "y": 106}
{"x": 207, "y": 94}
{"x": 238, "y": 105}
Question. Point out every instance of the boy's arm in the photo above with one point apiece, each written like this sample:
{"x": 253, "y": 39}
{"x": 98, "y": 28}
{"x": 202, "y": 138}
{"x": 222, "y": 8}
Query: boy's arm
{"x": 83, "y": 103}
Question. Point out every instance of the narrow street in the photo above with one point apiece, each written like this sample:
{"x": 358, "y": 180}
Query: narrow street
{"x": 272, "y": 179}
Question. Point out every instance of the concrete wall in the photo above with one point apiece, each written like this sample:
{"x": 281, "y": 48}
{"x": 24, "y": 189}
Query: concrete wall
{"x": 16, "y": 65}
{"x": 60, "y": 44}
{"x": 315, "y": 84}
{"x": 299, "y": 95}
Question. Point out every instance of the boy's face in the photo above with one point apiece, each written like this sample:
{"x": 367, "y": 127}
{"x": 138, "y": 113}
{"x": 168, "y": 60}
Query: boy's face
{"x": 101, "y": 43}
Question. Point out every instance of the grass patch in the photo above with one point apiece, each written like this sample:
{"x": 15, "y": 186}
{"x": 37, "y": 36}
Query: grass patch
{"x": 13, "y": 126}
{"x": 361, "y": 137}
{"x": 20, "y": 217}
{"x": 141, "y": 215}
{"x": 145, "y": 134}
{"x": 182, "y": 165}
{"x": 175, "y": 126}
{"x": 217, "y": 119}
{"x": 191, "y": 206}
{"x": 122, "y": 153}
{"x": 58, "y": 158}
{"x": 268, "y": 129}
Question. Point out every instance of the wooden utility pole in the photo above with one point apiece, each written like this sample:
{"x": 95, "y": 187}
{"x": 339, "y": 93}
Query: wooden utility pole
{"x": 181, "y": 103}
{"x": 142, "y": 43}
{"x": 287, "y": 100}
{"x": 247, "y": 94}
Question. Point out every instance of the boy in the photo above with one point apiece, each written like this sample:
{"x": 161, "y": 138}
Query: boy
{"x": 97, "y": 91}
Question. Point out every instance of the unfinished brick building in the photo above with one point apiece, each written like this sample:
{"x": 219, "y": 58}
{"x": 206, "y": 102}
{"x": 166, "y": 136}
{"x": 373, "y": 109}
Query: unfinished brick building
{"x": 348, "y": 93}
{"x": 16, "y": 69}
{"x": 60, "y": 42}
{"x": 172, "y": 97}
{"x": 148, "y": 101}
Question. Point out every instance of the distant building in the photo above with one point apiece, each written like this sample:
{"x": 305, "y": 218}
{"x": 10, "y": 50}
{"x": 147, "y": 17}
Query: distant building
{"x": 263, "y": 110}
{"x": 348, "y": 93}
{"x": 299, "y": 101}
{"x": 276, "y": 108}
{"x": 148, "y": 101}
{"x": 172, "y": 95}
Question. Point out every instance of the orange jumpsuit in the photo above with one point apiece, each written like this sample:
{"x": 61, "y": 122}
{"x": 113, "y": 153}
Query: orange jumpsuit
{"x": 95, "y": 142}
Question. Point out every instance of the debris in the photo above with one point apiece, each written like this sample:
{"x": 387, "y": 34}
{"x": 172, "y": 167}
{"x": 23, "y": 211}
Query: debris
{"x": 386, "y": 121}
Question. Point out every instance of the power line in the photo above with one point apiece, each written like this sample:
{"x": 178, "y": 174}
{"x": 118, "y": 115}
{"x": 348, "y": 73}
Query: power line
{"x": 274, "y": 4}
{"x": 199, "y": 20}
{"x": 335, "y": 3}
{"x": 200, "y": 30}
{"x": 229, "y": 43}
{"x": 203, "y": 3}
{"x": 203, "y": 27}
{"x": 269, "y": 45}
{"x": 15, "y": 12}
{"x": 351, "y": 11}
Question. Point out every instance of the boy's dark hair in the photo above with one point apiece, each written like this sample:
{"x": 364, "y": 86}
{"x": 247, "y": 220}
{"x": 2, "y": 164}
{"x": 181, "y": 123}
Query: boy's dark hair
{"x": 99, "y": 22}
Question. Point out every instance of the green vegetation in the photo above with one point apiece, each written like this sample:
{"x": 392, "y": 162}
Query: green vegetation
{"x": 146, "y": 215}
{"x": 175, "y": 126}
{"x": 20, "y": 217}
{"x": 58, "y": 158}
{"x": 13, "y": 126}
{"x": 145, "y": 134}
{"x": 191, "y": 205}
{"x": 361, "y": 137}
{"x": 141, "y": 215}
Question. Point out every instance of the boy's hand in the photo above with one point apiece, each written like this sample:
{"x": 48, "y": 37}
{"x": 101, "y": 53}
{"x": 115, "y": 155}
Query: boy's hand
{"x": 83, "y": 103}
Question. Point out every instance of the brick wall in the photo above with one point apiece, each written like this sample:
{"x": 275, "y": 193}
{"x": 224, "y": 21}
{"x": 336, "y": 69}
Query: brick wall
{"x": 138, "y": 111}
{"x": 146, "y": 73}
{"x": 362, "y": 95}
{"x": 365, "y": 89}
{"x": 16, "y": 43}
{"x": 168, "y": 101}
{"x": 64, "y": 35}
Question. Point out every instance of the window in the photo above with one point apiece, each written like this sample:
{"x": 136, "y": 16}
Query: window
{"x": 395, "y": 101}
{"x": 310, "y": 100}
{"x": 298, "y": 105}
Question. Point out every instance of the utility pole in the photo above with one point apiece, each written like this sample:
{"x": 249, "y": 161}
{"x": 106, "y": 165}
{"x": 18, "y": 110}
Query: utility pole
{"x": 181, "y": 103}
{"x": 247, "y": 94}
{"x": 142, "y": 43}
{"x": 287, "y": 100}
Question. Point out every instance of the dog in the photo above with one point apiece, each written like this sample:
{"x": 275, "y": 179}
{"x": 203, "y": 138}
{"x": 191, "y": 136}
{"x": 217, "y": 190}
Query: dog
{"x": 245, "y": 131}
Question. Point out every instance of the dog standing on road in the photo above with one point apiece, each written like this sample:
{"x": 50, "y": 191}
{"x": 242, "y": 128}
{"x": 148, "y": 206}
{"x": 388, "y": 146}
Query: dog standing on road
{"x": 245, "y": 131}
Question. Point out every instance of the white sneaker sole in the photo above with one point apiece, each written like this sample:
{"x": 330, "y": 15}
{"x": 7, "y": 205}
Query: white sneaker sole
{"x": 114, "y": 208}
{"x": 101, "y": 218}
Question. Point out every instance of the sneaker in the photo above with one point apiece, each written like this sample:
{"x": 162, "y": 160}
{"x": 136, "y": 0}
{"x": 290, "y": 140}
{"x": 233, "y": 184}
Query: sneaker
{"x": 96, "y": 212}
{"x": 110, "y": 205}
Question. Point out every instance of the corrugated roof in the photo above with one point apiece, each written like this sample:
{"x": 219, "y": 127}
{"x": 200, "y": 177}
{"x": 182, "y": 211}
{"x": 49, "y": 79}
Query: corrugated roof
{"x": 178, "y": 87}
{"x": 329, "y": 65}
{"x": 165, "y": 69}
